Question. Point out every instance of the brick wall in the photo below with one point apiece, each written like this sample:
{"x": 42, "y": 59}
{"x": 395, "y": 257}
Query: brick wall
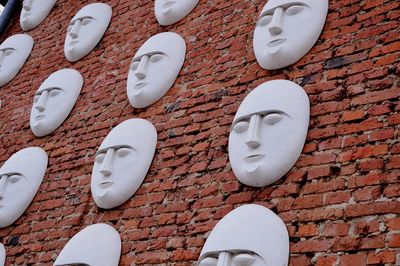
{"x": 341, "y": 201}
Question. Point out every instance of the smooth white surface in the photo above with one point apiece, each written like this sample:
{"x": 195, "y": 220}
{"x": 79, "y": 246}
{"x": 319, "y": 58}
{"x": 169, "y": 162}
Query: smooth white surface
{"x": 249, "y": 235}
{"x": 86, "y": 29}
{"x": 122, "y": 162}
{"x": 34, "y": 12}
{"x": 2, "y": 255}
{"x": 54, "y": 100}
{"x": 98, "y": 244}
{"x": 170, "y": 11}
{"x": 14, "y": 51}
{"x": 20, "y": 179}
{"x": 286, "y": 30}
{"x": 154, "y": 68}
{"x": 268, "y": 132}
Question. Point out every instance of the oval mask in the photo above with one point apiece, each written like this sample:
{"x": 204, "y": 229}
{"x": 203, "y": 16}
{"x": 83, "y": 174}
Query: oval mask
{"x": 268, "y": 132}
{"x": 286, "y": 30}
{"x": 249, "y": 235}
{"x": 34, "y": 12}
{"x": 170, "y": 11}
{"x": 98, "y": 244}
{"x": 85, "y": 30}
{"x": 20, "y": 179}
{"x": 122, "y": 162}
{"x": 154, "y": 68}
{"x": 54, "y": 100}
{"x": 14, "y": 51}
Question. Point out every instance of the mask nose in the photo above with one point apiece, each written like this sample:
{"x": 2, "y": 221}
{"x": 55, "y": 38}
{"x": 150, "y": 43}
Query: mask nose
{"x": 27, "y": 5}
{"x": 74, "y": 33}
{"x": 224, "y": 259}
{"x": 2, "y": 54}
{"x": 253, "y": 139}
{"x": 142, "y": 68}
{"x": 106, "y": 167}
{"x": 275, "y": 27}
{"x": 3, "y": 184}
{"x": 41, "y": 103}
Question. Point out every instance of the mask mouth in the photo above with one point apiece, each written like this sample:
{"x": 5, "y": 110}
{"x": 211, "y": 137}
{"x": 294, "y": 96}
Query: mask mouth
{"x": 26, "y": 15}
{"x": 140, "y": 86}
{"x": 106, "y": 184}
{"x": 72, "y": 44}
{"x": 169, "y": 4}
{"x": 39, "y": 117}
{"x": 276, "y": 42}
{"x": 254, "y": 158}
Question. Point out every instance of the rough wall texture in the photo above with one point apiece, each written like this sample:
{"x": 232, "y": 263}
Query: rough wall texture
{"x": 341, "y": 202}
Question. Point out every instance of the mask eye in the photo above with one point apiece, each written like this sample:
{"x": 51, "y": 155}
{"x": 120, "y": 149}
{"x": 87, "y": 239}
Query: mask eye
{"x": 8, "y": 52}
{"x": 293, "y": 10}
{"x": 243, "y": 260}
{"x": 36, "y": 99}
{"x": 135, "y": 65}
{"x": 70, "y": 27}
{"x": 156, "y": 57}
{"x": 241, "y": 127}
{"x": 208, "y": 262}
{"x": 265, "y": 20}
{"x": 86, "y": 21}
{"x": 14, "y": 178}
{"x": 54, "y": 92}
{"x": 122, "y": 152}
{"x": 272, "y": 119}
{"x": 100, "y": 157}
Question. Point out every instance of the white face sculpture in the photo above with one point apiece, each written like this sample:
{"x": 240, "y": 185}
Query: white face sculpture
{"x": 154, "y": 68}
{"x": 2, "y": 255}
{"x": 268, "y": 132}
{"x": 13, "y": 53}
{"x": 97, "y": 244}
{"x": 54, "y": 100}
{"x": 286, "y": 30}
{"x": 86, "y": 29}
{"x": 122, "y": 162}
{"x": 170, "y": 11}
{"x": 34, "y": 12}
{"x": 250, "y": 235}
{"x": 20, "y": 178}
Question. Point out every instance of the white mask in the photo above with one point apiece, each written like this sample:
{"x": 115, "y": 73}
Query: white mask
{"x": 54, "y": 100}
{"x": 286, "y": 30}
{"x": 171, "y": 11}
{"x": 13, "y": 53}
{"x": 20, "y": 179}
{"x": 2, "y": 255}
{"x": 34, "y": 12}
{"x": 98, "y": 244}
{"x": 268, "y": 132}
{"x": 122, "y": 162}
{"x": 86, "y": 29}
{"x": 154, "y": 68}
{"x": 250, "y": 235}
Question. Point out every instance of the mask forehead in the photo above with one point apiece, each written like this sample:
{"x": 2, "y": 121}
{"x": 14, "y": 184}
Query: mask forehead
{"x": 168, "y": 43}
{"x": 272, "y": 4}
{"x": 276, "y": 96}
{"x": 30, "y": 162}
{"x": 137, "y": 133}
{"x": 69, "y": 80}
{"x": 21, "y": 42}
{"x": 250, "y": 228}
{"x": 99, "y": 11}
{"x": 97, "y": 244}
